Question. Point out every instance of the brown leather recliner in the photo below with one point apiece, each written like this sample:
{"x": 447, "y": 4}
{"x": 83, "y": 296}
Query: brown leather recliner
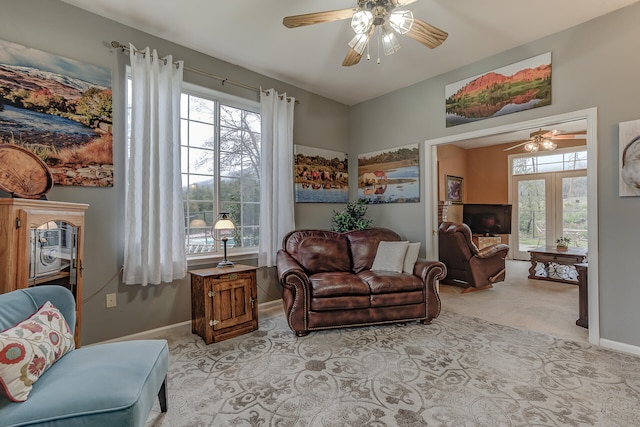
{"x": 468, "y": 266}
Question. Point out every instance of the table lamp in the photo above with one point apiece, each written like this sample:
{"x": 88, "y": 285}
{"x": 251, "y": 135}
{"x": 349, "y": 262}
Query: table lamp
{"x": 224, "y": 223}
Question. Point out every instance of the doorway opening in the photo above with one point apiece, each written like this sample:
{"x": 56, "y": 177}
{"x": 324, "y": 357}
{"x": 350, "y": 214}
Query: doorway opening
{"x": 504, "y": 134}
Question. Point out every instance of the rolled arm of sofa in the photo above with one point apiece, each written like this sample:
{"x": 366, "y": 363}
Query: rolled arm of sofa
{"x": 429, "y": 272}
{"x": 295, "y": 292}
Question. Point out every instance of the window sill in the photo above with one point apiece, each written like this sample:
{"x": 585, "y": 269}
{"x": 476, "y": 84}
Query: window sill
{"x": 209, "y": 259}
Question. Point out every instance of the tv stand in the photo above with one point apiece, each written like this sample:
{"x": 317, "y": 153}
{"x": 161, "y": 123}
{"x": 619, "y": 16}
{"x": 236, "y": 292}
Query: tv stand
{"x": 484, "y": 240}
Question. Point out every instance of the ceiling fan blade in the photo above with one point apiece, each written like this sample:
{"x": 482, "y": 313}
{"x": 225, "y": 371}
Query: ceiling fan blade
{"x": 317, "y": 17}
{"x": 571, "y": 135}
{"x": 404, "y": 2}
{"x": 352, "y": 58}
{"x": 426, "y": 34}
{"x": 515, "y": 146}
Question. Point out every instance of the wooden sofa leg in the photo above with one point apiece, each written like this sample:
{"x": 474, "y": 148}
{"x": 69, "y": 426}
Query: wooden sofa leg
{"x": 162, "y": 396}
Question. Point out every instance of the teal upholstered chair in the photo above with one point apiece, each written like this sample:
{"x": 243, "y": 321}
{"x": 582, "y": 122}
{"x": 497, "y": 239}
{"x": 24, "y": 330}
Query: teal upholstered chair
{"x": 112, "y": 384}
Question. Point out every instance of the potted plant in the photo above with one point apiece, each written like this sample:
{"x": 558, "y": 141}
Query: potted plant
{"x": 351, "y": 218}
{"x": 562, "y": 243}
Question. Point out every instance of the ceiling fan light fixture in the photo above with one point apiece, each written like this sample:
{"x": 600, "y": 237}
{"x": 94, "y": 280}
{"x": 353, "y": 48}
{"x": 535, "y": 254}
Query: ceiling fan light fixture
{"x": 532, "y": 146}
{"x": 401, "y": 21}
{"x": 547, "y": 144}
{"x": 390, "y": 43}
{"x": 359, "y": 42}
{"x": 362, "y": 21}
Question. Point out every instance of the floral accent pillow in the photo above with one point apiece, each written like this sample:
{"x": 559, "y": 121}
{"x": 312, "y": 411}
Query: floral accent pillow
{"x": 30, "y": 348}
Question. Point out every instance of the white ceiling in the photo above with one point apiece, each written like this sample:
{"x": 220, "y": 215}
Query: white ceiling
{"x": 250, "y": 33}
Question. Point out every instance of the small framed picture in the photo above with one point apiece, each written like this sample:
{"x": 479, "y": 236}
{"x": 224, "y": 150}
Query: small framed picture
{"x": 453, "y": 186}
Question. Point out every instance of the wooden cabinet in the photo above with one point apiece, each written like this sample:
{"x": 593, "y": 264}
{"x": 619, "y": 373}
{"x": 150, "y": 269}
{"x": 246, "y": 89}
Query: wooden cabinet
{"x": 224, "y": 302}
{"x": 42, "y": 243}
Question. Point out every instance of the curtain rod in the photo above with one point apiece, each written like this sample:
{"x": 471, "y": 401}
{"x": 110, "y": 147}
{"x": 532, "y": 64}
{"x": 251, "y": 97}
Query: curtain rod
{"x": 223, "y": 80}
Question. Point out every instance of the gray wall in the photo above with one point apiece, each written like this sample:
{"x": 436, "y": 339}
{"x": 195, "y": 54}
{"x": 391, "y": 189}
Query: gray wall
{"x": 58, "y": 28}
{"x": 594, "y": 65}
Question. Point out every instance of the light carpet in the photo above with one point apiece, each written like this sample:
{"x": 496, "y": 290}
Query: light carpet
{"x": 458, "y": 371}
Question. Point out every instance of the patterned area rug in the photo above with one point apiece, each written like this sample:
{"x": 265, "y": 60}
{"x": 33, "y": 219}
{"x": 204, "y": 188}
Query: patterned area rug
{"x": 459, "y": 371}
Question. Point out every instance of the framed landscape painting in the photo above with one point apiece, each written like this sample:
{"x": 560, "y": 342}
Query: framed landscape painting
{"x": 390, "y": 176}
{"x": 59, "y": 109}
{"x": 321, "y": 176}
{"x": 516, "y": 87}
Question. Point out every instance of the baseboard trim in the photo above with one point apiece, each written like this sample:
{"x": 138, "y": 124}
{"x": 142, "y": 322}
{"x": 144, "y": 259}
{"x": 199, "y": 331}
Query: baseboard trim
{"x": 618, "y": 346}
{"x": 181, "y": 327}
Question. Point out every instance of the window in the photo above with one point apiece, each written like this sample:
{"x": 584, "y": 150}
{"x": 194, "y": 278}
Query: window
{"x": 220, "y": 171}
{"x": 220, "y": 140}
{"x": 553, "y": 162}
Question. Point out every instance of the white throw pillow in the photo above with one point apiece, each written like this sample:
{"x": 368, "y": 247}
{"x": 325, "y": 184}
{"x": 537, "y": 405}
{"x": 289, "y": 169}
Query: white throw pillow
{"x": 390, "y": 256}
{"x": 411, "y": 257}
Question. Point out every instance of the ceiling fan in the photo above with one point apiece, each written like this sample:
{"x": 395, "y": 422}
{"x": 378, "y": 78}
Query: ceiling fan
{"x": 544, "y": 139}
{"x": 372, "y": 15}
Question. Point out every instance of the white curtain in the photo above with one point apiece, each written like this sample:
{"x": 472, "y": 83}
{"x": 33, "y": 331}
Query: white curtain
{"x": 154, "y": 216}
{"x": 276, "y": 179}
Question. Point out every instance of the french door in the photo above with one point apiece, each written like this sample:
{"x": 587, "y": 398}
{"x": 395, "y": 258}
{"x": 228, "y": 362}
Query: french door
{"x": 547, "y": 206}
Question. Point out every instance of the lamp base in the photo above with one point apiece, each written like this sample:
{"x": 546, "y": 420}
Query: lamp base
{"x": 225, "y": 263}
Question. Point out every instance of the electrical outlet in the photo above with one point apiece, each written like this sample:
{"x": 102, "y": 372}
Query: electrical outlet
{"x": 111, "y": 300}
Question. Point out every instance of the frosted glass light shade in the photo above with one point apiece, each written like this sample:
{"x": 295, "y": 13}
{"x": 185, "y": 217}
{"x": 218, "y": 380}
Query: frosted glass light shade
{"x": 547, "y": 144}
{"x": 361, "y": 21}
{"x": 531, "y": 146}
{"x": 389, "y": 42}
{"x": 359, "y": 42}
{"x": 401, "y": 21}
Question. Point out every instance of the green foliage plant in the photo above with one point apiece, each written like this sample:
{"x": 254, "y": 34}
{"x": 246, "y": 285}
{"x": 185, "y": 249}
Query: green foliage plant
{"x": 351, "y": 217}
{"x": 563, "y": 241}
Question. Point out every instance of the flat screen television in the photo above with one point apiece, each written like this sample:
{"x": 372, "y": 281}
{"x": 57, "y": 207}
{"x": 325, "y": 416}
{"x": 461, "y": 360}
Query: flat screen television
{"x": 487, "y": 220}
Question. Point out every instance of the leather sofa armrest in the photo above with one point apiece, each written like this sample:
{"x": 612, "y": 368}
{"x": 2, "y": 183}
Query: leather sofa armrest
{"x": 494, "y": 250}
{"x": 295, "y": 293}
{"x": 287, "y": 266}
{"x": 423, "y": 268}
{"x": 429, "y": 272}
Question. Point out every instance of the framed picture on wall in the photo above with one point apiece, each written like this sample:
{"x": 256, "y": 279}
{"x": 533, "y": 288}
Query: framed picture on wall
{"x": 453, "y": 186}
{"x": 629, "y": 147}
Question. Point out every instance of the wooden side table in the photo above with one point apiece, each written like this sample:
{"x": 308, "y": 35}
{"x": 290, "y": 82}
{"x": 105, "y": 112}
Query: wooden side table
{"x": 224, "y": 302}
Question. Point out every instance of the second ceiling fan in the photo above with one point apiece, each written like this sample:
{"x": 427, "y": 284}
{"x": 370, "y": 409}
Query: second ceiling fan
{"x": 544, "y": 139}
{"x": 372, "y": 15}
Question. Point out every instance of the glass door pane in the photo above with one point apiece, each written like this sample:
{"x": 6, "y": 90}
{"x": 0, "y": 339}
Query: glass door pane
{"x": 531, "y": 210}
{"x": 574, "y": 210}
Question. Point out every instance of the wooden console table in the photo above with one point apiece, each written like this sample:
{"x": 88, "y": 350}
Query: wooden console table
{"x": 583, "y": 290}
{"x": 558, "y": 266}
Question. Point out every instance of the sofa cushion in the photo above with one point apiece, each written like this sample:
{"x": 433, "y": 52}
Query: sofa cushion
{"x": 330, "y": 285}
{"x": 390, "y": 256}
{"x": 30, "y": 348}
{"x": 384, "y": 282}
{"x": 363, "y": 245}
{"x": 340, "y": 303}
{"x": 111, "y": 384}
{"x": 411, "y": 257}
{"x": 397, "y": 299}
{"x": 319, "y": 251}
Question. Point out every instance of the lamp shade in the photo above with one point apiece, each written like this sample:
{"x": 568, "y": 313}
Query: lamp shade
{"x": 224, "y": 223}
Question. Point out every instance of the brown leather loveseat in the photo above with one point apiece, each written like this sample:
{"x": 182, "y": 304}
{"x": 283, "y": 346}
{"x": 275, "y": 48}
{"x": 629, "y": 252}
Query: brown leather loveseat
{"x": 328, "y": 282}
